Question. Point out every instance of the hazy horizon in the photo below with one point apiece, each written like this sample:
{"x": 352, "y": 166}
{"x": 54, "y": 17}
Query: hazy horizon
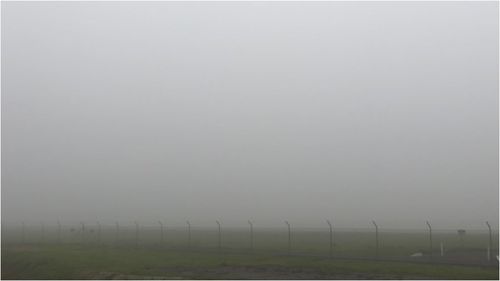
{"x": 268, "y": 111}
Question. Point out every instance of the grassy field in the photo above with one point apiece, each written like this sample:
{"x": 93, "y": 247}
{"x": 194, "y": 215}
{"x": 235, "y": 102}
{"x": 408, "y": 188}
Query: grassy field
{"x": 93, "y": 262}
{"x": 127, "y": 254}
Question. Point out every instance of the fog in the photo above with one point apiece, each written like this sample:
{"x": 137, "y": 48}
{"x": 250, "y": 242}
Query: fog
{"x": 275, "y": 111}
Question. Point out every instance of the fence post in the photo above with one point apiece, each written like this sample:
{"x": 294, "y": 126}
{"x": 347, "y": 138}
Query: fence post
{"x": 42, "y": 238}
{"x": 430, "y": 238}
{"x": 189, "y": 234}
{"x": 58, "y": 232}
{"x": 289, "y": 238}
{"x": 331, "y": 237}
{"x": 83, "y": 231}
{"x": 251, "y": 235}
{"x": 490, "y": 247}
{"x": 161, "y": 232}
{"x": 98, "y": 233}
{"x": 136, "y": 234}
{"x": 219, "y": 236}
{"x": 376, "y": 238}
{"x": 117, "y": 233}
{"x": 23, "y": 233}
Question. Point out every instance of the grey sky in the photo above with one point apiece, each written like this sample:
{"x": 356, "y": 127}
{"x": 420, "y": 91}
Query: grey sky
{"x": 269, "y": 111}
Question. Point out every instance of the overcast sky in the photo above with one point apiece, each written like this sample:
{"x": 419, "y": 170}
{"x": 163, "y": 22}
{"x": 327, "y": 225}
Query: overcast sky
{"x": 265, "y": 111}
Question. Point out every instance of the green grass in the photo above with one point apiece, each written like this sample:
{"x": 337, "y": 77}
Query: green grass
{"x": 83, "y": 262}
{"x": 87, "y": 256}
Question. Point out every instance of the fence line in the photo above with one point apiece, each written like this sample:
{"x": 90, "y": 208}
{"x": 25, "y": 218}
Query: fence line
{"x": 300, "y": 241}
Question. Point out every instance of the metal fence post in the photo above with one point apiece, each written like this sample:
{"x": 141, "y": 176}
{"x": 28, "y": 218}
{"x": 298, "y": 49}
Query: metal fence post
{"x": 117, "y": 233}
{"x": 189, "y": 234}
{"x": 219, "y": 236}
{"x": 58, "y": 232}
{"x": 376, "y": 238}
{"x": 289, "y": 238}
{"x": 490, "y": 242}
{"x": 42, "y": 237}
{"x": 331, "y": 237}
{"x": 136, "y": 234}
{"x": 161, "y": 232}
{"x": 83, "y": 231}
{"x": 98, "y": 233}
{"x": 430, "y": 238}
{"x": 251, "y": 235}
{"x": 23, "y": 233}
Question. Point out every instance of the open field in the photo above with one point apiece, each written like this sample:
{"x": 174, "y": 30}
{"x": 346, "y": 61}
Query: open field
{"x": 91, "y": 262}
{"x": 127, "y": 254}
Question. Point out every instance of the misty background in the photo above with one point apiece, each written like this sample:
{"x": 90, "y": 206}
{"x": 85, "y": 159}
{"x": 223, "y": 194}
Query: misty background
{"x": 251, "y": 110}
